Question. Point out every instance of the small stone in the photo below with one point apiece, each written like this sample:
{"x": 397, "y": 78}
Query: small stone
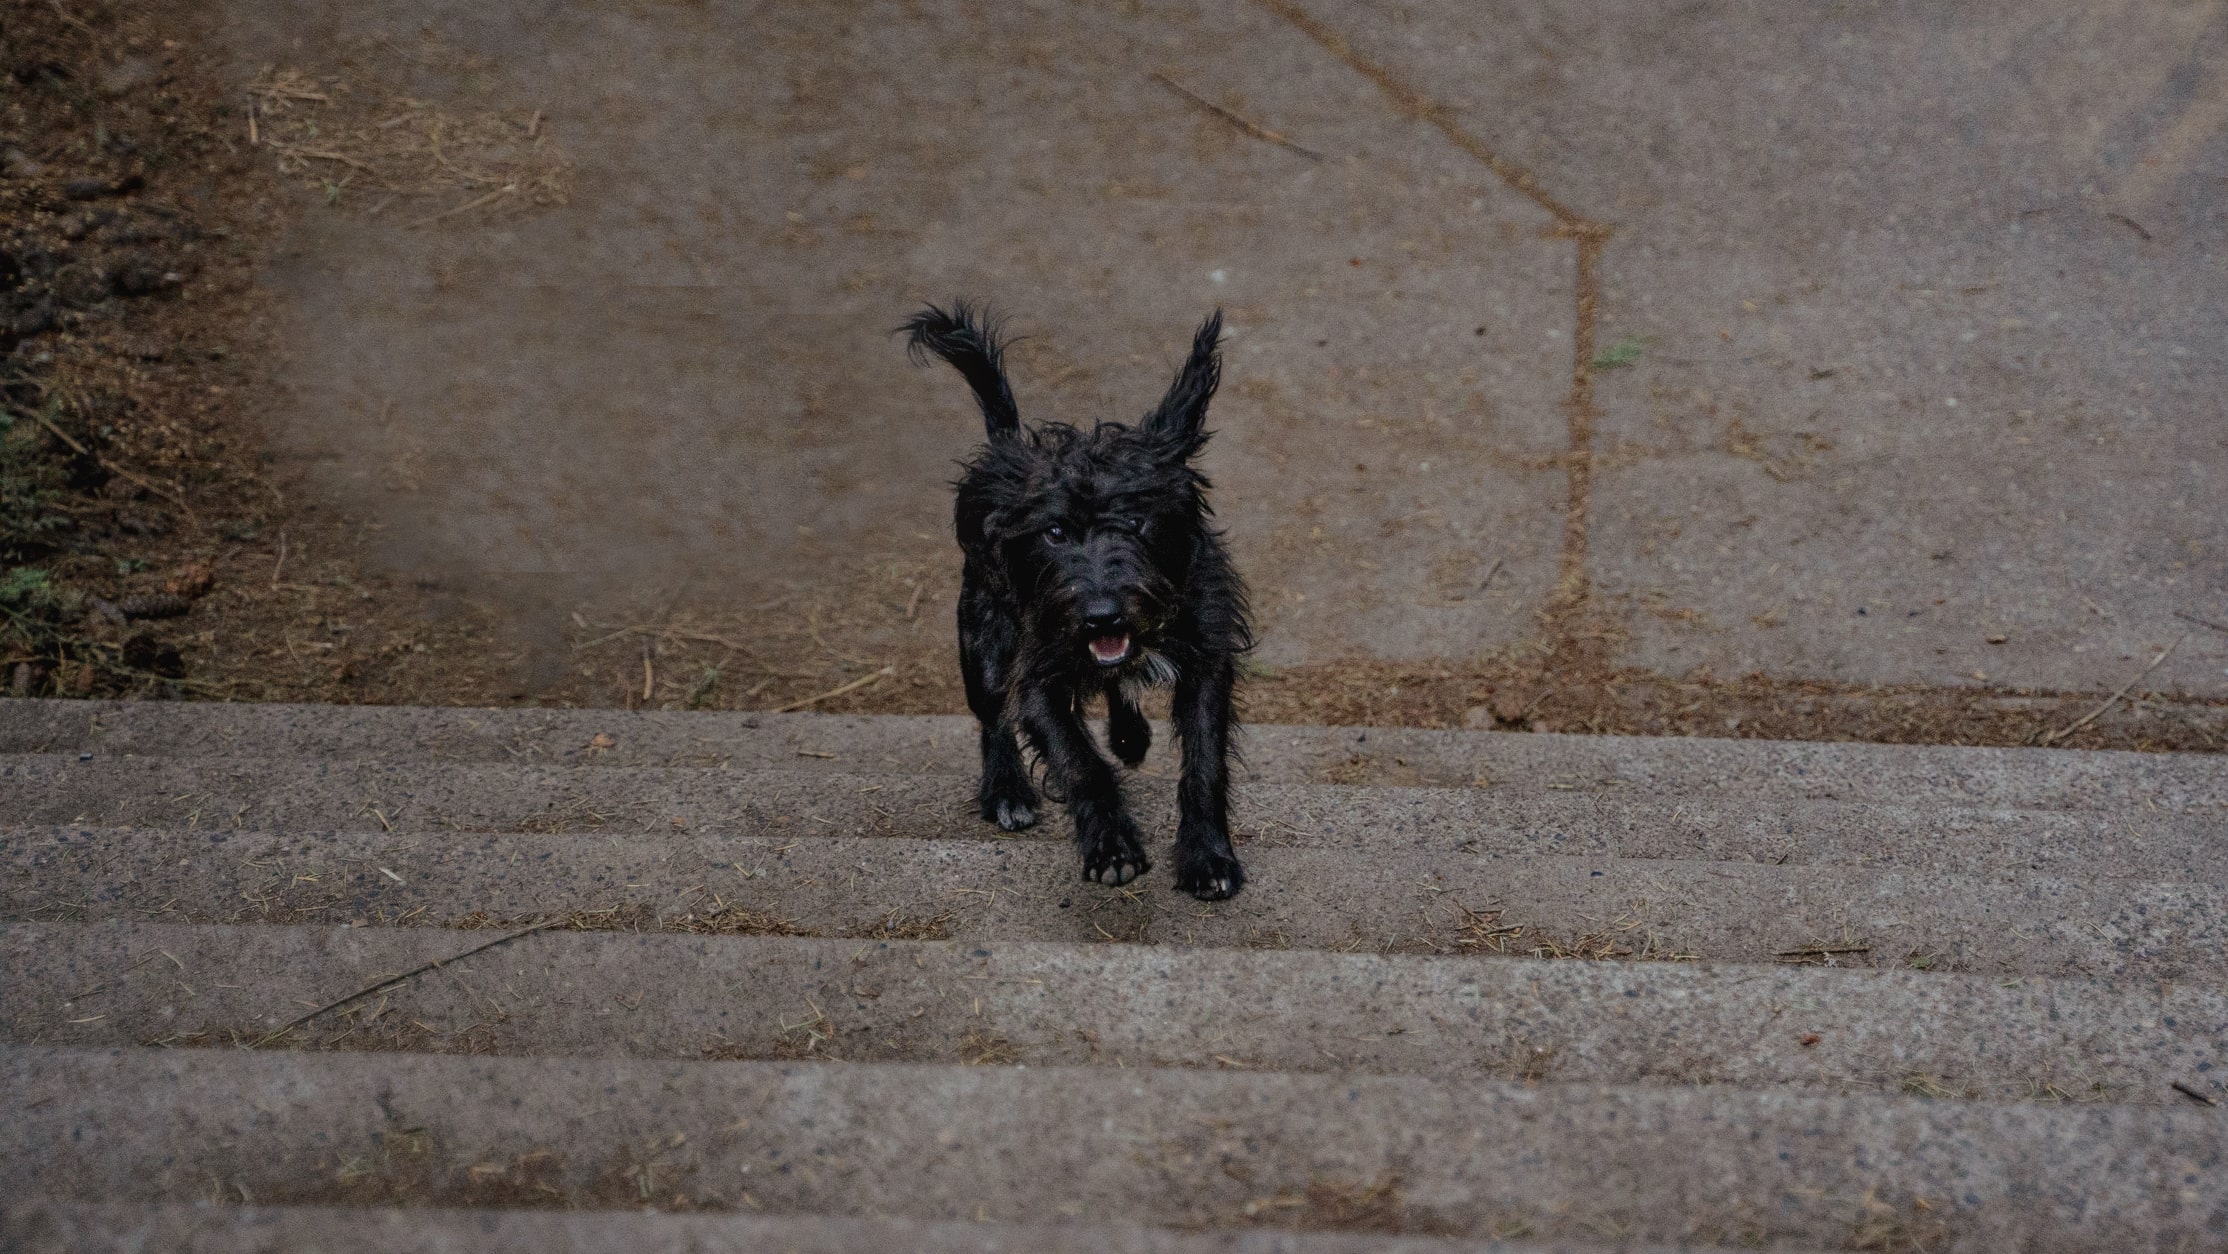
{"x": 144, "y": 652}
{"x": 139, "y": 275}
{"x": 79, "y": 284}
{"x": 37, "y": 320}
{"x": 129, "y": 73}
{"x": 1509, "y": 705}
{"x": 143, "y": 522}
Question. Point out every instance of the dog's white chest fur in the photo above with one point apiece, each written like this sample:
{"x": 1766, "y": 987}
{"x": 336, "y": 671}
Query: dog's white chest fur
{"x": 1149, "y": 670}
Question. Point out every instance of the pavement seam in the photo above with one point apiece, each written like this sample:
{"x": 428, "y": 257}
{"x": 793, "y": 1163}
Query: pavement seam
{"x": 1564, "y": 612}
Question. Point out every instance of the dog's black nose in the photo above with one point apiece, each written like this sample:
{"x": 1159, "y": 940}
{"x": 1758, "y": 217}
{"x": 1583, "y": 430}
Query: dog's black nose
{"x": 1102, "y": 616}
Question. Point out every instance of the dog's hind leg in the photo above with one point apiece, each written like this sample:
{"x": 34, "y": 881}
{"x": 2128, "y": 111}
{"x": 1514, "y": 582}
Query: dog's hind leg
{"x": 986, "y": 643}
{"x": 1127, "y": 732}
{"x": 1104, "y": 833}
{"x": 1206, "y": 866}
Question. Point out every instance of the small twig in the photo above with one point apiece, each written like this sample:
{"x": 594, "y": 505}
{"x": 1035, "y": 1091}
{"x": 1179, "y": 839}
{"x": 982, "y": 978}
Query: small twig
{"x": 1239, "y": 120}
{"x": 1823, "y": 951}
{"x": 466, "y": 207}
{"x": 2109, "y": 702}
{"x": 279, "y": 565}
{"x": 2193, "y": 1095}
{"x": 66, "y": 16}
{"x": 1545, "y": 693}
{"x": 420, "y": 969}
{"x": 59, "y": 433}
{"x": 318, "y": 154}
{"x": 2201, "y": 622}
{"x": 2130, "y": 223}
{"x": 853, "y": 686}
{"x": 253, "y": 137}
{"x": 111, "y": 467}
{"x": 649, "y": 676}
{"x": 1498, "y": 563}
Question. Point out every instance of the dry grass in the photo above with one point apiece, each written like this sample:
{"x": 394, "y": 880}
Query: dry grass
{"x": 410, "y": 1166}
{"x": 1890, "y": 1229}
{"x": 1625, "y": 937}
{"x": 983, "y": 1048}
{"x": 357, "y": 140}
{"x": 723, "y": 919}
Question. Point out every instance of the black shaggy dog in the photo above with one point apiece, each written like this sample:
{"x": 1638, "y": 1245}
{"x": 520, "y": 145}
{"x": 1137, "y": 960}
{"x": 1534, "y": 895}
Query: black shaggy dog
{"x": 1092, "y": 568}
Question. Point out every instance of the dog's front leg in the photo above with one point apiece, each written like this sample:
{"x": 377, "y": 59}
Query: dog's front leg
{"x": 1112, "y": 852}
{"x": 986, "y": 644}
{"x": 1206, "y": 866}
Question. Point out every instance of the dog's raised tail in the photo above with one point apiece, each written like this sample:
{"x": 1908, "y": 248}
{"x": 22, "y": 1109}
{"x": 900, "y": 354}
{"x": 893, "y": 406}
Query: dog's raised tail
{"x": 971, "y": 344}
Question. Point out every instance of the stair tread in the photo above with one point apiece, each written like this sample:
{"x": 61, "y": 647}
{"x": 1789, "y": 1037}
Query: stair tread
{"x": 1664, "y": 766}
{"x": 676, "y": 995}
{"x": 2006, "y": 922}
{"x": 38, "y": 1226}
{"x": 295, "y": 794}
{"x": 1161, "y": 1147}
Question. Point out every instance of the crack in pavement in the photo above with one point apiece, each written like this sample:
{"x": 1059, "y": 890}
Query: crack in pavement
{"x": 1572, "y": 588}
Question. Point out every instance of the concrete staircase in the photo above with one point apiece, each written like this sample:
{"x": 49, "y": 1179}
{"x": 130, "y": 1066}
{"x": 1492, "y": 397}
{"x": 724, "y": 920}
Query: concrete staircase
{"x": 762, "y": 982}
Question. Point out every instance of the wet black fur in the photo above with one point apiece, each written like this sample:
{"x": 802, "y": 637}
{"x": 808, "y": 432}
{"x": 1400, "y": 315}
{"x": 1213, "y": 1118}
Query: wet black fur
{"x": 1066, "y": 531}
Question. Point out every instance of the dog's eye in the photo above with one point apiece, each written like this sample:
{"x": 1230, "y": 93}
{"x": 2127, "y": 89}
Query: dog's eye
{"x": 1056, "y": 533}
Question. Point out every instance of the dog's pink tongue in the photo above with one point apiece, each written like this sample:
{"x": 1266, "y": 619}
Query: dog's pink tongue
{"x": 1110, "y": 649}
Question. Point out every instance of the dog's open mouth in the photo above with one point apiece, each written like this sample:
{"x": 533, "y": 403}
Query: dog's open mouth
{"x": 1110, "y": 650}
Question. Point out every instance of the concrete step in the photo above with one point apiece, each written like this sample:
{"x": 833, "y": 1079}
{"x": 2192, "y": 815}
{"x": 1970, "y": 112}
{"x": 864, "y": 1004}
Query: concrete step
{"x": 47, "y": 1226}
{"x": 298, "y": 794}
{"x": 1513, "y": 762}
{"x": 666, "y": 995}
{"x": 2005, "y": 922}
{"x": 1170, "y": 1148}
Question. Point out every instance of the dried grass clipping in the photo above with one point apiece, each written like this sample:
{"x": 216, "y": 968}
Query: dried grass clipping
{"x": 361, "y": 144}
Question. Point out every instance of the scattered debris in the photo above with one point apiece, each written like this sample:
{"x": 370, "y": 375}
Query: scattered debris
{"x": 354, "y": 139}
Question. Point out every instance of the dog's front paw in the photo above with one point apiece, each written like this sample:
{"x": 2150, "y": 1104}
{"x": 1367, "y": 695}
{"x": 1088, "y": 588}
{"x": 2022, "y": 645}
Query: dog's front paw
{"x": 1012, "y": 805}
{"x": 1115, "y": 858}
{"x": 1209, "y": 876}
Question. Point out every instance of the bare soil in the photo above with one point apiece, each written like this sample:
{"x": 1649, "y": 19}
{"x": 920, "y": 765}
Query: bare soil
{"x": 149, "y": 548}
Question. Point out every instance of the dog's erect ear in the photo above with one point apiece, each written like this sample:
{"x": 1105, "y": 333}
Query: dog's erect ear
{"x": 1182, "y": 416}
{"x": 973, "y": 348}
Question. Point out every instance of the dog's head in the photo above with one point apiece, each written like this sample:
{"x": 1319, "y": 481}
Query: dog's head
{"x": 1093, "y": 531}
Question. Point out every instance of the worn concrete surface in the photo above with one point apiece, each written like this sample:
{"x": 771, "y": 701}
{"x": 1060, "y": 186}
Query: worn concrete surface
{"x": 223, "y": 794}
{"x": 1927, "y": 303}
{"x": 51, "y": 1227}
{"x": 1755, "y": 1015}
{"x": 1426, "y": 898}
{"x": 398, "y": 739}
{"x": 945, "y": 1142}
{"x": 600, "y": 994}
